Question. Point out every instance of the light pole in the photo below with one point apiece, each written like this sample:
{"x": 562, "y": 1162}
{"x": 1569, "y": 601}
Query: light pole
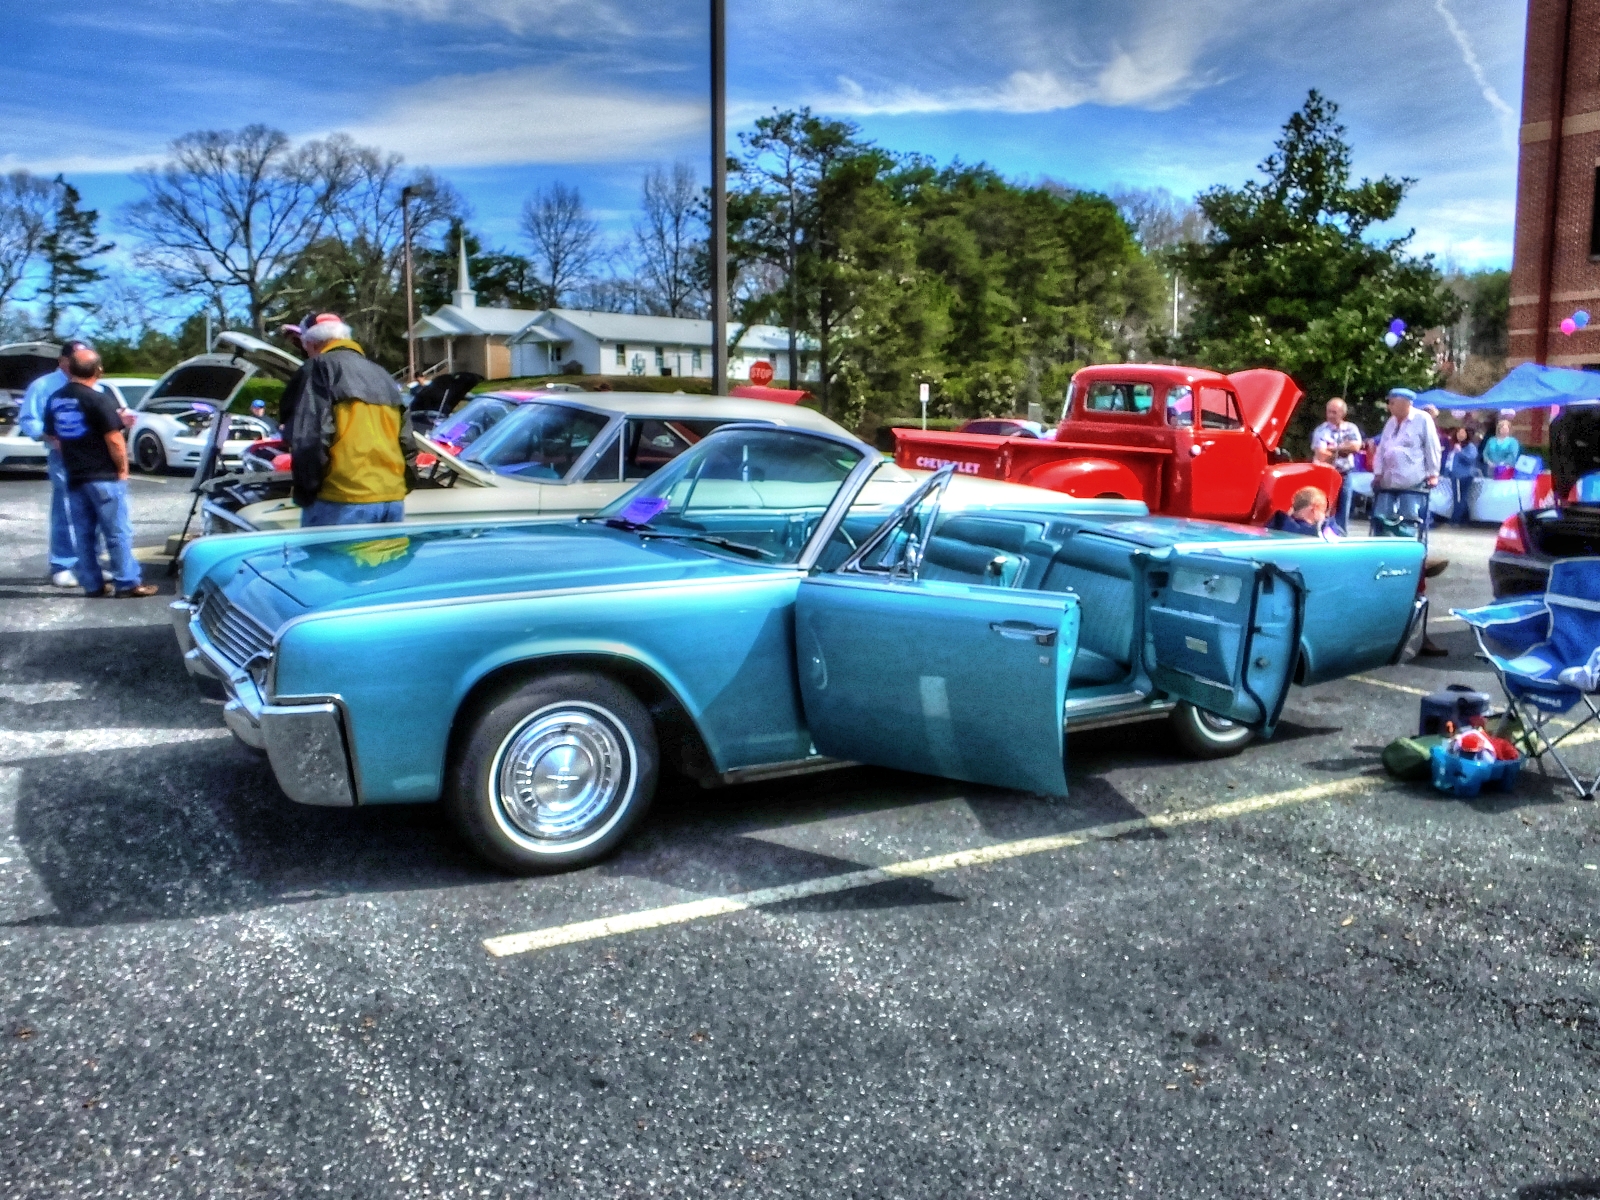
{"x": 411, "y": 316}
{"x": 719, "y": 199}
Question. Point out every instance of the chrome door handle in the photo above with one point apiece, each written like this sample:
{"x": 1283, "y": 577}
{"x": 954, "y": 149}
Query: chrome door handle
{"x": 1020, "y": 630}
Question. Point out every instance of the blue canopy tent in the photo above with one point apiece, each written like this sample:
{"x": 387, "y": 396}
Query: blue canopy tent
{"x": 1527, "y": 386}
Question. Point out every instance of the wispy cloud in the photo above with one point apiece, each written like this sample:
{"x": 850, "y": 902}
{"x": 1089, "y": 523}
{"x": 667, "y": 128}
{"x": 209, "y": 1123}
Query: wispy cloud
{"x": 529, "y": 115}
{"x": 561, "y": 18}
{"x": 1469, "y": 56}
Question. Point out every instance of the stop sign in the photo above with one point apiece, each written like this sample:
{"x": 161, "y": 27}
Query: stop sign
{"x": 761, "y": 373}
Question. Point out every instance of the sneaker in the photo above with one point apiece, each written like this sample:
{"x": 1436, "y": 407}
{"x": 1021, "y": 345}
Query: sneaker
{"x": 64, "y": 579}
{"x": 133, "y": 593}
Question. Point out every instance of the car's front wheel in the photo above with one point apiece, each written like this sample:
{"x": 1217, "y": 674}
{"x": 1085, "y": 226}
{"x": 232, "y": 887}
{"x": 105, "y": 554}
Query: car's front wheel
{"x": 555, "y": 773}
{"x": 1206, "y": 735}
{"x": 148, "y": 454}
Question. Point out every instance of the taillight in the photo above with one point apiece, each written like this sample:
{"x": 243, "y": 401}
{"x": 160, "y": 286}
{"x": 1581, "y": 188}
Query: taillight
{"x": 1510, "y": 537}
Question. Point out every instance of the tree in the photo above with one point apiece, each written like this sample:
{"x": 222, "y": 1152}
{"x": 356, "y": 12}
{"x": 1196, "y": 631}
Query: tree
{"x": 500, "y": 279}
{"x": 67, "y": 250}
{"x": 669, "y": 239}
{"x": 565, "y": 239}
{"x": 1289, "y": 277}
{"x": 25, "y": 208}
{"x": 229, "y": 213}
{"x": 356, "y": 268}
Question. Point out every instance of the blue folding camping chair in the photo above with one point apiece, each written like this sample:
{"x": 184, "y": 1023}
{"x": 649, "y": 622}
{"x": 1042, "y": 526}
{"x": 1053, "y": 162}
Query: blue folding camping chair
{"x": 1541, "y": 650}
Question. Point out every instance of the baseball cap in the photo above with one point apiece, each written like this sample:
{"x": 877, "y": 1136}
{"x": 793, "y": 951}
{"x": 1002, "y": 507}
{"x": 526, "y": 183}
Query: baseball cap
{"x": 1400, "y": 393}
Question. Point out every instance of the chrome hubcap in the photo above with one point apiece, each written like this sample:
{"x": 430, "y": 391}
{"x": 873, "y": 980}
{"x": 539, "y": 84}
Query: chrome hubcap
{"x": 560, "y": 773}
{"x": 1216, "y": 724}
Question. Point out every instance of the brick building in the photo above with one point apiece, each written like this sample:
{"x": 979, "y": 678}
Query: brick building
{"x": 1556, "y": 257}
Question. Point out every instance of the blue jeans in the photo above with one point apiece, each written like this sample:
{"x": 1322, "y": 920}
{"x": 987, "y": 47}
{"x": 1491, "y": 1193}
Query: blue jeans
{"x": 1346, "y": 495}
{"x": 62, "y": 555}
{"x": 331, "y": 512}
{"x": 103, "y": 508}
{"x": 1463, "y": 492}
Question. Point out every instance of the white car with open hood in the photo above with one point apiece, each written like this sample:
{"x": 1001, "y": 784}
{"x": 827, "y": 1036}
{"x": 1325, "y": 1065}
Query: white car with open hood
{"x": 174, "y": 417}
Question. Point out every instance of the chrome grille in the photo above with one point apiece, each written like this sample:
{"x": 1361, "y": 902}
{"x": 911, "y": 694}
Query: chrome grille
{"x": 237, "y": 635}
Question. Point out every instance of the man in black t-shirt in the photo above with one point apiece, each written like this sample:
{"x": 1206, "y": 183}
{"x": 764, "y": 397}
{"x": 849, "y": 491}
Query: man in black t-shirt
{"x": 85, "y": 428}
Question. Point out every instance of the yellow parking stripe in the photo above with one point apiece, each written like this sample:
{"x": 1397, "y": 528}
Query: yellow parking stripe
{"x": 717, "y": 906}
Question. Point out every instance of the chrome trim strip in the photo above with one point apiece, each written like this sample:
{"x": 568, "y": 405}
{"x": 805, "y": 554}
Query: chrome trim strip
{"x": 1148, "y": 712}
{"x": 781, "y": 770}
{"x": 1091, "y": 705}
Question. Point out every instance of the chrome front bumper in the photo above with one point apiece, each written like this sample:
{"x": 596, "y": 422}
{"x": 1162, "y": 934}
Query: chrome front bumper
{"x": 305, "y": 743}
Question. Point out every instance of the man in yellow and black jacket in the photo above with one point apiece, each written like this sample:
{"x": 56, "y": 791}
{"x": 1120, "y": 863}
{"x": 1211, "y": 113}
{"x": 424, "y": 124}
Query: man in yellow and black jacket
{"x": 354, "y": 454}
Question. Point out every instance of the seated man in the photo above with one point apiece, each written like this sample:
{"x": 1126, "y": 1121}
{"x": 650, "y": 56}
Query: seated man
{"x": 1308, "y": 515}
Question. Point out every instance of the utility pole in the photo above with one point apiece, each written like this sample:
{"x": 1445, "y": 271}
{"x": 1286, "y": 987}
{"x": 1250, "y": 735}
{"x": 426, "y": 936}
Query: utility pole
{"x": 411, "y": 315}
{"x": 719, "y": 199}
{"x": 1176, "y": 295}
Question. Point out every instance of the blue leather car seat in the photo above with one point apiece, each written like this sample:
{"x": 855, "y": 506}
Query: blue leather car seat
{"x": 1101, "y": 574}
{"x": 988, "y": 550}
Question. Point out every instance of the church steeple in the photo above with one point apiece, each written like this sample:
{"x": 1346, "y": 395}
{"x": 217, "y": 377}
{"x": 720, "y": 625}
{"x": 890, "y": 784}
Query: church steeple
{"x": 464, "y": 296}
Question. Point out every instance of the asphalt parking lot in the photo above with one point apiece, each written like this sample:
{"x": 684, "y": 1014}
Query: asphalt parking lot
{"x": 1274, "y": 975}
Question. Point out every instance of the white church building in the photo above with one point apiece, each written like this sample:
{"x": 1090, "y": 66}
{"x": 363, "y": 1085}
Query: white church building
{"x": 502, "y": 343}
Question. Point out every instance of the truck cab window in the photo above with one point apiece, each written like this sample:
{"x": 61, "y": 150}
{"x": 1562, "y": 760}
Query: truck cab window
{"x": 1219, "y": 409}
{"x": 1180, "y": 407}
{"x": 1119, "y": 398}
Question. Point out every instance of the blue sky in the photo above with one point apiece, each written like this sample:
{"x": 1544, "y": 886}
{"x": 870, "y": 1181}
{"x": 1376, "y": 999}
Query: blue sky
{"x": 503, "y": 96}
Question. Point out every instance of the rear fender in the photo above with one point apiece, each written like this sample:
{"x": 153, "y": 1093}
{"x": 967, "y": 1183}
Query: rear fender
{"x": 1282, "y": 480}
{"x": 1087, "y": 477}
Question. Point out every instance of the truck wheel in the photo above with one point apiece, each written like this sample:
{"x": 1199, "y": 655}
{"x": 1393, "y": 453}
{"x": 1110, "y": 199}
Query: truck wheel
{"x": 555, "y": 774}
{"x": 1206, "y": 735}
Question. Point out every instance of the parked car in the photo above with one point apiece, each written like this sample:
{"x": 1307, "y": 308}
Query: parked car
{"x": 20, "y": 364}
{"x": 1186, "y": 441}
{"x": 128, "y": 389}
{"x": 1528, "y": 542}
{"x": 556, "y": 453}
{"x": 1006, "y": 427}
{"x": 175, "y": 415}
{"x": 773, "y": 601}
{"x": 440, "y": 396}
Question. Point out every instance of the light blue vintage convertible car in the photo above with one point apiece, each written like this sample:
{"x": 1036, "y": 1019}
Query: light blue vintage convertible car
{"x": 775, "y": 601}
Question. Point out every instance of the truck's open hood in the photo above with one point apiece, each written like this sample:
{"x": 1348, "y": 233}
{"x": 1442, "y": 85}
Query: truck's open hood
{"x": 410, "y": 565}
{"x": 1268, "y": 399}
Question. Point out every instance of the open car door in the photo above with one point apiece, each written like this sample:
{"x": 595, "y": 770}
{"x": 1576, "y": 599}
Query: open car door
{"x": 966, "y": 681}
{"x": 1222, "y": 633}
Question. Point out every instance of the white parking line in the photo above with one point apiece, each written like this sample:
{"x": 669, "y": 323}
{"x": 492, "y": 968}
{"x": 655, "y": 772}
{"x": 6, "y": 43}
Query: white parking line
{"x": 1393, "y": 687}
{"x": 717, "y": 906}
{"x": 39, "y": 693}
{"x": 20, "y": 745}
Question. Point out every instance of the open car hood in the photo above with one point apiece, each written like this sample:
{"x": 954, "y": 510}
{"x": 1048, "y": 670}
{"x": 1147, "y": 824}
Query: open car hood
{"x": 466, "y": 470}
{"x": 264, "y": 357}
{"x": 1268, "y": 400}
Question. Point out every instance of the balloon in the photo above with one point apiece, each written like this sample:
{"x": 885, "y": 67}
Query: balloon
{"x": 1569, "y": 327}
{"x": 1397, "y": 327}
{"x": 1581, "y": 318}
{"x": 1391, "y": 339}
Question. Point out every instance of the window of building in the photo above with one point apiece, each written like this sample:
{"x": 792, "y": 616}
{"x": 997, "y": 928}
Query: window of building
{"x": 1218, "y": 409}
{"x": 1119, "y": 398}
{"x": 622, "y": 355}
{"x": 1594, "y": 218}
{"x": 661, "y": 357}
{"x": 696, "y": 360}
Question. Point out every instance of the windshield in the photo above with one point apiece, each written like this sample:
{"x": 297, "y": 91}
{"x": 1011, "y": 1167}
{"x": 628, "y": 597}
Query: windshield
{"x": 465, "y": 426}
{"x": 537, "y": 441}
{"x": 763, "y": 490}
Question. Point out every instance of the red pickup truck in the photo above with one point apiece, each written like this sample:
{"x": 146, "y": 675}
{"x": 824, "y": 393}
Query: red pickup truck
{"x": 1187, "y": 441}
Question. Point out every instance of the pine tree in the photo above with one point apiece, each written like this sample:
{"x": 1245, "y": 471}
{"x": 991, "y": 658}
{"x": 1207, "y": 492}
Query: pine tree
{"x": 67, "y": 250}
